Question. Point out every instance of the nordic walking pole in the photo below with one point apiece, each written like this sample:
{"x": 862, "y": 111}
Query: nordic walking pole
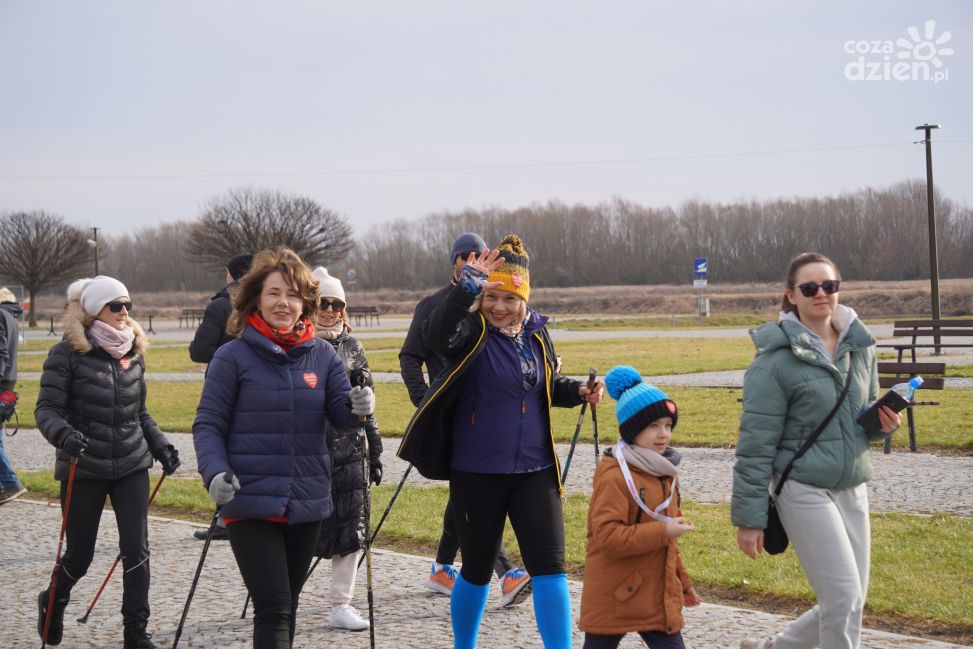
{"x": 592, "y": 373}
{"x": 84, "y": 618}
{"x": 388, "y": 509}
{"x": 594, "y": 426}
{"x": 359, "y": 379}
{"x": 228, "y": 478}
{"x": 57, "y": 557}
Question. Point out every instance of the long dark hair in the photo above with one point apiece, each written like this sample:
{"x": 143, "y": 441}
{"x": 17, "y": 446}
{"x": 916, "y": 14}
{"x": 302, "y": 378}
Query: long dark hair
{"x": 797, "y": 263}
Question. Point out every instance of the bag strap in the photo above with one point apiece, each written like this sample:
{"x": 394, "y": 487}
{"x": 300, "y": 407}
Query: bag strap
{"x": 817, "y": 433}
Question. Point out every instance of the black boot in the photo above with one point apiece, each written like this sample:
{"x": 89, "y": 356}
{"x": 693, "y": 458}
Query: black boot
{"x": 62, "y": 595}
{"x": 137, "y": 638}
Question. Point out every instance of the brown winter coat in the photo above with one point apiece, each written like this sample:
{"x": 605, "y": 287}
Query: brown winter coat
{"x": 634, "y": 577}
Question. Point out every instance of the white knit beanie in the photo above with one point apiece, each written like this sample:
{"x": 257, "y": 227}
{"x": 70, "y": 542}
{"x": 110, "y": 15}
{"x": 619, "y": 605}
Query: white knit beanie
{"x": 330, "y": 286}
{"x": 95, "y": 292}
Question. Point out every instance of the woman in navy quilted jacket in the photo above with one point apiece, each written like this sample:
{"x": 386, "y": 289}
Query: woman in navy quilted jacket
{"x": 263, "y": 413}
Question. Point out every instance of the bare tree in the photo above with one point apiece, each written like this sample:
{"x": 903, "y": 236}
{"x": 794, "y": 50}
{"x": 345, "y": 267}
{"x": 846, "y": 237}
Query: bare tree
{"x": 38, "y": 249}
{"x": 247, "y": 219}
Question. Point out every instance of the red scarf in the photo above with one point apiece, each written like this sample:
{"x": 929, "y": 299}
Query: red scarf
{"x": 302, "y": 332}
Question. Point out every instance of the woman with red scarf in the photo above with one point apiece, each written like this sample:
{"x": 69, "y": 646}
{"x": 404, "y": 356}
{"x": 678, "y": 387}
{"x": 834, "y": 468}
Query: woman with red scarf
{"x": 263, "y": 413}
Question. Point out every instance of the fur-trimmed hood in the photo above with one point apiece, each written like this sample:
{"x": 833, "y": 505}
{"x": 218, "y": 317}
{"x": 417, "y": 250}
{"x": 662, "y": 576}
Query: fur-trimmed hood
{"x": 74, "y": 331}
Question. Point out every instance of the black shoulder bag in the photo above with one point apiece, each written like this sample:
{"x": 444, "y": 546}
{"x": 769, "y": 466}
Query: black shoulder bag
{"x": 775, "y": 537}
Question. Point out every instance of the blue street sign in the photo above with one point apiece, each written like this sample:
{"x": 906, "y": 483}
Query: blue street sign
{"x": 699, "y": 267}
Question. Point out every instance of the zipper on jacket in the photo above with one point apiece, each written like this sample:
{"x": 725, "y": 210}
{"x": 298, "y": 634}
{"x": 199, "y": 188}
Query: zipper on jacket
{"x": 638, "y": 510}
{"x": 114, "y": 422}
{"x": 548, "y": 378}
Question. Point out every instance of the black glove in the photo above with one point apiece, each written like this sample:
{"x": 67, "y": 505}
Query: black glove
{"x": 168, "y": 457}
{"x": 375, "y": 472}
{"x": 75, "y": 444}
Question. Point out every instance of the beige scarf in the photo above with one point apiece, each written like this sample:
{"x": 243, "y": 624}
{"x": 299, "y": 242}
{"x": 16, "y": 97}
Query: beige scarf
{"x": 648, "y": 461}
{"x": 331, "y": 332}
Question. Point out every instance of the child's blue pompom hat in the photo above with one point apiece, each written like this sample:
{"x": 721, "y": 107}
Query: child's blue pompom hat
{"x": 638, "y": 403}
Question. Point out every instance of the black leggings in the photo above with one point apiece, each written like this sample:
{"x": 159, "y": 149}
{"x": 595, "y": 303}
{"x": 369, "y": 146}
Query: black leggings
{"x": 449, "y": 544}
{"x": 273, "y": 559}
{"x": 654, "y": 640}
{"x": 129, "y": 499}
{"x": 481, "y": 504}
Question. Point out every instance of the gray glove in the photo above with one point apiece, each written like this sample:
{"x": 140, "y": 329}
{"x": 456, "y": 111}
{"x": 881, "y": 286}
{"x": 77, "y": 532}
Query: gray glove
{"x": 222, "y": 491}
{"x": 362, "y": 401}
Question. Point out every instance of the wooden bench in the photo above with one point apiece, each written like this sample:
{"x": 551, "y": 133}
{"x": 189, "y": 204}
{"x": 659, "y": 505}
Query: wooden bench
{"x": 192, "y": 317}
{"x": 933, "y": 378}
{"x": 935, "y": 329}
{"x": 363, "y": 314}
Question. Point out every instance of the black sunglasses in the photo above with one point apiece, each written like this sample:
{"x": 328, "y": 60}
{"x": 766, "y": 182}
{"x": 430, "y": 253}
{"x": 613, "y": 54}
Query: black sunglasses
{"x": 810, "y": 289}
{"x": 334, "y": 305}
{"x": 116, "y": 307}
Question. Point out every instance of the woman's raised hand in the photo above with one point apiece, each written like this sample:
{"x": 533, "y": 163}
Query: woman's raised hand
{"x": 486, "y": 262}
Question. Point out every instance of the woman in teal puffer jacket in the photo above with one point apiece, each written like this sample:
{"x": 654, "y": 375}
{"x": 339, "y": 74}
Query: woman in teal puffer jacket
{"x": 795, "y": 380}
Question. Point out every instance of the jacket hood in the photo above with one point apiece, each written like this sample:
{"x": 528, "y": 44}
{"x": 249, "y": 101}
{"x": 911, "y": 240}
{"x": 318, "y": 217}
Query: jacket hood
{"x": 75, "y": 333}
{"x": 15, "y": 309}
{"x": 790, "y": 332}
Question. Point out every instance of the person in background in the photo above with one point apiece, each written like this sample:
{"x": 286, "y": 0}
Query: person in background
{"x": 514, "y": 582}
{"x": 10, "y": 312}
{"x": 210, "y": 336}
{"x": 91, "y": 408}
{"x": 485, "y": 425}
{"x": 267, "y": 400}
{"x": 802, "y": 365}
{"x": 211, "y": 333}
{"x": 343, "y": 533}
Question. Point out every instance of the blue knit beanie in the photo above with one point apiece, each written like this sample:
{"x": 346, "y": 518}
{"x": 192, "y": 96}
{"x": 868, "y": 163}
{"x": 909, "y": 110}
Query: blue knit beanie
{"x": 638, "y": 404}
{"x": 466, "y": 242}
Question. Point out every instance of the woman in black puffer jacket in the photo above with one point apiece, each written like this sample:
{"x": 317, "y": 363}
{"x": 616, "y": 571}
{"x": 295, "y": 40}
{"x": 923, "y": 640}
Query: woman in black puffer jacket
{"x": 91, "y": 407}
{"x": 343, "y": 534}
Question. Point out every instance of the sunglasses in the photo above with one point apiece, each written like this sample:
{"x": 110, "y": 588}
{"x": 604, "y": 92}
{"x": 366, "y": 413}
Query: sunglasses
{"x": 810, "y": 289}
{"x": 334, "y": 305}
{"x": 116, "y": 307}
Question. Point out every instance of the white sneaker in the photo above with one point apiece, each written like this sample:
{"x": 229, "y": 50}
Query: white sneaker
{"x": 346, "y": 617}
{"x": 758, "y": 643}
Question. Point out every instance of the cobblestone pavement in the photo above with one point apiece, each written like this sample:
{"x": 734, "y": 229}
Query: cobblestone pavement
{"x": 406, "y": 614}
{"x": 918, "y": 483}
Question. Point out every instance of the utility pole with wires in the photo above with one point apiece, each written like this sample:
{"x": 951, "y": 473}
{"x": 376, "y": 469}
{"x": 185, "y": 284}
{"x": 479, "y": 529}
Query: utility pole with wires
{"x": 931, "y": 209}
{"x": 93, "y": 242}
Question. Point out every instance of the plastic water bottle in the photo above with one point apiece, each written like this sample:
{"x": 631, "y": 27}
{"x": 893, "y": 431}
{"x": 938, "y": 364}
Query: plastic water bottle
{"x": 907, "y": 389}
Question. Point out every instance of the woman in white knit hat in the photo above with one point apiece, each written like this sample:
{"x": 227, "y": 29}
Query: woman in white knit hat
{"x": 91, "y": 408}
{"x": 343, "y": 534}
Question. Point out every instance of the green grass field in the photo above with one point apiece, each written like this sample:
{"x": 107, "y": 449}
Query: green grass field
{"x": 707, "y": 416}
{"x": 904, "y": 548}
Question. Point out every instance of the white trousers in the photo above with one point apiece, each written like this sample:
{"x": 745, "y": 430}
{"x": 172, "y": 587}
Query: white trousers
{"x": 343, "y": 572}
{"x": 831, "y": 534}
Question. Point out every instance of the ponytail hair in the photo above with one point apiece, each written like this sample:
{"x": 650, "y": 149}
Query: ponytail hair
{"x": 797, "y": 264}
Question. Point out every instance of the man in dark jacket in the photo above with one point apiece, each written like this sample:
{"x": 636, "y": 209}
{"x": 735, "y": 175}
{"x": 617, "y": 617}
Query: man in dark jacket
{"x": 211, "y": 335}
{"x": 10, "y": 311}
{"x": 413, "y": 355}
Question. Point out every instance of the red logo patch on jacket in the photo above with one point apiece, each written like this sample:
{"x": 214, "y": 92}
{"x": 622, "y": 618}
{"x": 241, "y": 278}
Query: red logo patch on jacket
{"x": 125, "y": 363}
{"x": 311, "y": 379}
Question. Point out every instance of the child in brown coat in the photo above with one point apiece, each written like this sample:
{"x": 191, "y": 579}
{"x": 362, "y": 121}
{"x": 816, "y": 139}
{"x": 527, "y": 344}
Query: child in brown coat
{"x": 634, "y": 577}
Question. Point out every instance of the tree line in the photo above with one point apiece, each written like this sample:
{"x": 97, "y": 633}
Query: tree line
{"x": 870, "y": 233}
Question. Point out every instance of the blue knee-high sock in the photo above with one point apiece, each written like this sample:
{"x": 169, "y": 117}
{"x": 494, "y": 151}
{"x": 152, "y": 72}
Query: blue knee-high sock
{"x": 466, "y": 604}
{"x": 552, "y": 608}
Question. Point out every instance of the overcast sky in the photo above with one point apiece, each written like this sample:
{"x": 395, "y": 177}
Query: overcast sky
{"x": 123, "y": 114}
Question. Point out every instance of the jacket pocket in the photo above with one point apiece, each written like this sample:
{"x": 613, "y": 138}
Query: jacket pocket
{"x": 628, "y": 587}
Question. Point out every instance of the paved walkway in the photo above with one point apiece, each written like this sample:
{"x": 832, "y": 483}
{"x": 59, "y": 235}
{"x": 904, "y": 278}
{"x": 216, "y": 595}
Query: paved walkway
{"x": 917, "y": 483}
{"x": 407, "y": 615}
